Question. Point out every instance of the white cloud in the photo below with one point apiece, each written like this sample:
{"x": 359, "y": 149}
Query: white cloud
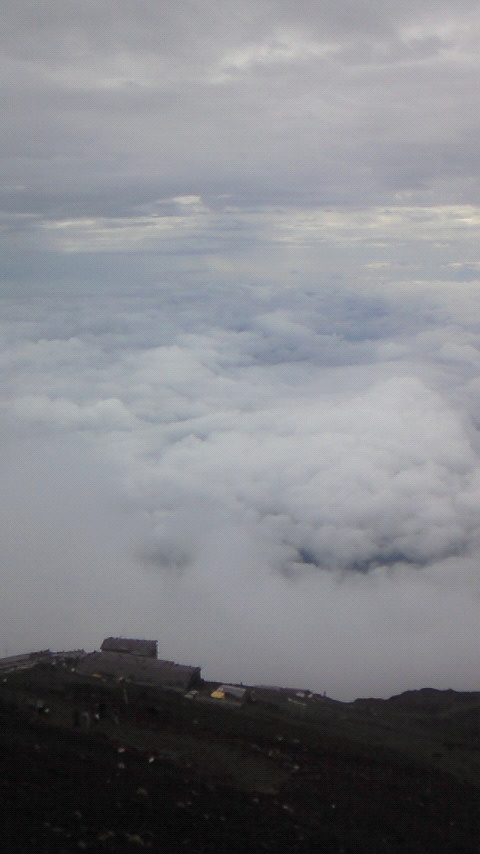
{"x": 268, "y": 498}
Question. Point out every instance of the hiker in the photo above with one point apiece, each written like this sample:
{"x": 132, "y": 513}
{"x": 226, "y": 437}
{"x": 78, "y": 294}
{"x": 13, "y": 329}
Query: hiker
{"x": 85, "y": 719}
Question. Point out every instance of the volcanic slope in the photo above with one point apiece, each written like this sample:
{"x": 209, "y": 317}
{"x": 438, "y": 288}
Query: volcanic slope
{"x": 110, "y": 768}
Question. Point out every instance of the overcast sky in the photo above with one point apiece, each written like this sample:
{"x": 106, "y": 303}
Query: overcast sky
{"x": 240, "y": 343}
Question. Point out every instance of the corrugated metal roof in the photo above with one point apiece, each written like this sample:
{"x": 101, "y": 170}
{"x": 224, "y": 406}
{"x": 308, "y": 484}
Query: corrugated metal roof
{"x": 237, "y": 691}
{"x": 12, "y": 662}
{"x": 139, "y": 669}
{"x": 148, "y": 648}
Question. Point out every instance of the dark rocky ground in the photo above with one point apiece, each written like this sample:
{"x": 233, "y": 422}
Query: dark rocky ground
{"x": 170, "y": 774}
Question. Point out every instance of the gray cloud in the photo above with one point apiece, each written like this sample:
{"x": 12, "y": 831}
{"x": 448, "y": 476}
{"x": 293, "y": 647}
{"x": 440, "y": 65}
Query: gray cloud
{"x": 122, "y": 103}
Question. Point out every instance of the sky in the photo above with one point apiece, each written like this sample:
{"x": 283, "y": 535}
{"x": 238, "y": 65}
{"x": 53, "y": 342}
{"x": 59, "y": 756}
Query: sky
{"x": 239, "y": 336}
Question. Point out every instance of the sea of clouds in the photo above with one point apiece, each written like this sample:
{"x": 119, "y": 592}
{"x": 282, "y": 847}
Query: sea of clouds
{"x": 282, "y": 485}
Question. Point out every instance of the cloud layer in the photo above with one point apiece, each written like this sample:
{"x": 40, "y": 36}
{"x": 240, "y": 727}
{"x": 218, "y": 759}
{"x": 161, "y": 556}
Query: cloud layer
{"x": 252, "y": 489}
{"x": 239, "y": 335}
{"x": 119, "y": 104}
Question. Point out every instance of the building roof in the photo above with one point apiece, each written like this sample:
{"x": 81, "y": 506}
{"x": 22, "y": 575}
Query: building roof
{"x": 27, "y": 659}
{"x": 147, "y": 648}
{"x": 236, "y": 691}
{"x": 139, "y": 669}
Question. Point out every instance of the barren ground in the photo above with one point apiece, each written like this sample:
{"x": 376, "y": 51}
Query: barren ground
{"x": 170, "y": 774}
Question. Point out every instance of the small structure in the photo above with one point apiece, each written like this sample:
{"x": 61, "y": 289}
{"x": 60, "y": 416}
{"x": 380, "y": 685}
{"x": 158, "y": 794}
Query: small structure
{"x": 274, "y": 696}
{"x": 147, "y": 648}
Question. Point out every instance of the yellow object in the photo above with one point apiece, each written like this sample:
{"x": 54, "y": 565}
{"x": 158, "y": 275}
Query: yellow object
{"x": 218, "y": 695}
